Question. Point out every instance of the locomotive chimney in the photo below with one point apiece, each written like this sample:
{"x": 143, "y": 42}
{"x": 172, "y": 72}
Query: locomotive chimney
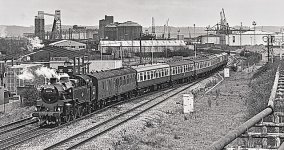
{"x": 52, "y": 80}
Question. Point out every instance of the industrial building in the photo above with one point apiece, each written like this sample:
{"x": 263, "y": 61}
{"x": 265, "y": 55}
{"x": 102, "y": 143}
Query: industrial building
{"x": 102, "y": 23}
{"x": 56, "y": 32}
{"x": 69, "y": 44}
{"x": 39, "y": 27}
{"x": 210, "y": 39}
{"x": 12, "y": 80}
{"x": 113, "y": 31}
{"x": 128, "y": 31}
{"x": 247, "y": 38}
{"x": 46, "y": 53}
{"x": 133, "y": 46}
{"x": 123, "y": 31}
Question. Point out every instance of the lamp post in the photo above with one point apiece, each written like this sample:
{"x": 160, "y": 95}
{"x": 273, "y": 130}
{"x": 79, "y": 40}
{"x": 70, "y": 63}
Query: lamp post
{"x": 254, "y": 24}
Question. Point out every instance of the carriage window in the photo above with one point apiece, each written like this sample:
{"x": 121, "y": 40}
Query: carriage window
{"x": 141, "y": 76}
{"x": 116, "y": 82}
{"x": 138, "y": 77}
{"x": 124, "y": 80}
{"x": 157, "y": 73}
{"x": 103, "y": 84}
{"x": 148, "y": 75}
{"x": 120, "y": 81}
{"x": 145, "y": 75}
{"x": 152, "y": 74}
{"x": 109, "y": 83}
{"x": 166, "y": 72}
{"x": 127, "y": 79}
{"x": 160, "y": 73}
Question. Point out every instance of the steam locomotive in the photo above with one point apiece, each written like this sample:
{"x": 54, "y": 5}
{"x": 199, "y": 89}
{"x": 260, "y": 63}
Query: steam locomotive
{"x": 70, "y": 98}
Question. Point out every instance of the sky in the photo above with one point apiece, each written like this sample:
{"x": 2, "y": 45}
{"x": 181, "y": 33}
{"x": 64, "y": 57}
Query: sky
{"x": 180, "y": 13}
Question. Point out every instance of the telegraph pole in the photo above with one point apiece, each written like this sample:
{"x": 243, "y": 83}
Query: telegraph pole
{"x": 254, "y": 24}
{"x": 140, "y": 49}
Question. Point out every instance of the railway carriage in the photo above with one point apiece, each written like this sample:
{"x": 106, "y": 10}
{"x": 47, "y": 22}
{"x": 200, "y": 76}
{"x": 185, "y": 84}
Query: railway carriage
{"x": 181, "y": 71}
{"x": 151, "y": 77}
{"x": 210, "y": 63}
{"x": 112, "y": 85}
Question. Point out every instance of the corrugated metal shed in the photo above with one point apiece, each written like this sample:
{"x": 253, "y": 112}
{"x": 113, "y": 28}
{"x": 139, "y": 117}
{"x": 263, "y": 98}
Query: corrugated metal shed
{"x": 60, "y": 51}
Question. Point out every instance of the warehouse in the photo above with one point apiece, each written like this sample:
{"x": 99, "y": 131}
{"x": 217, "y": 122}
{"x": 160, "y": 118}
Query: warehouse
{"x": 69, "y": 44}
{"x": 247, "y": 38}
{"x": 129, "y": 47}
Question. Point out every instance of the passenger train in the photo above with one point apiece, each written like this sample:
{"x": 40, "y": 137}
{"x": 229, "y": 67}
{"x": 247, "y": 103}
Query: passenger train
{"x": 70, "y": 98}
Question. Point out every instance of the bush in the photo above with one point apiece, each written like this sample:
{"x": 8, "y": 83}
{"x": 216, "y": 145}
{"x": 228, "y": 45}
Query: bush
{"x": 29, "y": 95}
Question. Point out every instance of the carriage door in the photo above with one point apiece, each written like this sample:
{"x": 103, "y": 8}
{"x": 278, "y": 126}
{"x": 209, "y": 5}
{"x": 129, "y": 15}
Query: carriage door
{"x": 116, "y": 86}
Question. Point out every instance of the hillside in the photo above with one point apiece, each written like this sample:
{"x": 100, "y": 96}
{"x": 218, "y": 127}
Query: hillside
{"x": 186, "y": 31}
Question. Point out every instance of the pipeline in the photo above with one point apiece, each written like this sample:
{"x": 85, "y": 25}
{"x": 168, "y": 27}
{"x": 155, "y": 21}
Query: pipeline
{"x": 231, "y": 136}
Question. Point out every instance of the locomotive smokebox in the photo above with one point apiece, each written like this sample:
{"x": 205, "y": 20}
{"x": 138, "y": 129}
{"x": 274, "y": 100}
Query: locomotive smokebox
{"x": 52, "y": 80}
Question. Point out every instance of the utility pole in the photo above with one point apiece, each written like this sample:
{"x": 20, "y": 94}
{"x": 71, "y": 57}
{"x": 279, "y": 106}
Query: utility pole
{"x": 241, "y": 28}
{"x": 195, "y": 49}
{"x": 268, "y": 46}
{"x": 193, "y": 30}
{"x": 254, "y": 24}
{"x": 140, "y": 48}
{"x": 207, "y": 34}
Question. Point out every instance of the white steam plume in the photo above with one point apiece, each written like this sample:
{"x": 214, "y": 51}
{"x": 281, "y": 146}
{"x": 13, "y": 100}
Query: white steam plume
{"x": 26, "y": 75}
{"x": 46, "y": 72}
{"x": 35, "y": 43}
{"x": 3, "y": 32}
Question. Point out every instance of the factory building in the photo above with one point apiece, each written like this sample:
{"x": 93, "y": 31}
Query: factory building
{"x": 103, "y": 23}
{"x": 129, "y": 47}
{"x": 111, "y": 32}
{"x": 69, "y": 44}
{"x": 247, "y": 38}
{"x": 39, "y": 27}
{"x": 128, "y": 31}
{"x": 123, "y": 31}
{"x": 210, "y": 39}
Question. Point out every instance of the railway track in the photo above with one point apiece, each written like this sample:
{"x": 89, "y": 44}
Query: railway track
{"x": 36, "y": 132}
{"x": 89, "y": 134}
{"x": 16, "y": 125}
{"x": 21, "y": 137}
